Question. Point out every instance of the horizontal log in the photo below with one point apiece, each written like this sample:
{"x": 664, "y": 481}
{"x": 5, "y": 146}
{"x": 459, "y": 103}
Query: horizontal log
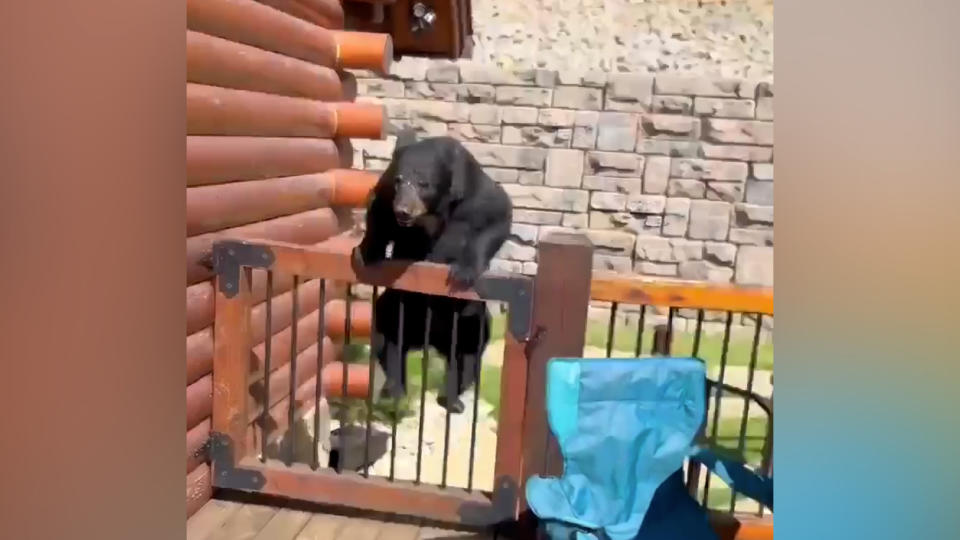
{"x": 199, "y": 488}
{"x": 358, "y": 380}
{"x": 323, "y": 13}
{"x": 212, "y": 110}
{"x": 613, "y": 287}
{"x": 199, "y": 400}
{"x": 221, "y": 62}
{"x": 217, "y": 207}
{"x": 335, "y": 321}
{"x": 251, "y": 23}
{"x": 217, "y": 160}
{"x": 197, "y": 444}
{"x": 200, "y": 296}
{"x": 280, "y": 377}
{"x": 200, "y": 307}
{"x": 352, "y": 188}
{"x": 305, "y": 228}
{"x": 200, "y": 344}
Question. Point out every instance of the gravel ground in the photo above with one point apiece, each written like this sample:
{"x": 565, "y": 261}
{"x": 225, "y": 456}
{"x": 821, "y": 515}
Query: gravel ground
{"x": 733, "y": 38}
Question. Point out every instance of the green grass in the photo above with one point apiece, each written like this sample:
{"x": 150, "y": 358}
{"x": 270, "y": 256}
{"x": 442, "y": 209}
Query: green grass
{"x": 624, "y": 343}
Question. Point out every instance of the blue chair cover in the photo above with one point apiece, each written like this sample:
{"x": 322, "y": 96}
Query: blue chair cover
{"x": 624, "y": 428}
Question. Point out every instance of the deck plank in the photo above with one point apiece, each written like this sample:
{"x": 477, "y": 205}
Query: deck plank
{"x": 245, "y": 523}
{"x": 284, "y": 525}
{"x": 360, "y": 529}
{"x": 434, "y": 533}
{"x": 209, "y": 518}
{"x": 322, "y": 527}
{"x": 399, "y": 531}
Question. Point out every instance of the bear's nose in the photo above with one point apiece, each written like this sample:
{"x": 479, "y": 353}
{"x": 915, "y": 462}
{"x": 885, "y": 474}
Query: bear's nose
{"x": 404, "y": 215}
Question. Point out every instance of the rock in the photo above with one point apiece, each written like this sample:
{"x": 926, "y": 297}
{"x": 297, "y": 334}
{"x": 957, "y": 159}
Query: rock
{"x": 557, "y": 117}
{"x": 601, "y": 200}
{"x": 676, "y": 216}
{"x": 476, "y": 93}
{"x": 380, "y": 88}
{"x": 616, "y": 131}
{"x": 752, "y": 216}
{"x": 646, "y": 204}
{"x": 672, "y": 105}
{"x": 585, "y": 129}
{"x": 503, "y": 176}
{"x": 720, "y": 253}
{"x": 612, "y": 242}
{"x": 669, "y": 126}
{"x": 720, "y": 130}
{"x": 656, "y": 174}
{"x": 519, "y": 95}
{"x": 759, "y": 192}
{"x": 478, "y": 133}
{"x": 755, "y": 266}
{"x": 530, "y": 178}
{"x": 614, "y": 164}
{"x": 629, "y": 92}
{"x": 709, "y": 220}
{"x": 754, "y": 237}
{"x": 536, "y": 217}
{"x": 519, "y": 115}
{"x": 495, "y": 155}
{"x": 648, "y": 268}
{"x": 670, "y": 83}
{"x": 765, "y": 108}
{"x": 703, "y": 169}
{"x": 425, "y": 90}
{"x": 705, "y": 271}
{"x": 481, "y": 113}
{"x": 548, "y": 198}
{"x": 687, "y": 188}
{"x": 512, "y": 250}
{"x": 575, "y": 221}
{"x": 612, "y": 263}
{"x": 443, "y": 71}
{"x": 763, "y": 171}
{"x": 564, "y": 168}
{"x": 735, "y": 152}
{"x": 578, "y": 97}
{"x": 544, "y": 137}
{"x": 724, "y": 108}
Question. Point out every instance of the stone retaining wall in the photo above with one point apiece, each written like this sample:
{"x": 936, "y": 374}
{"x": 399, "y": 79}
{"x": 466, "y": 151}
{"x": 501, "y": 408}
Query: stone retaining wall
{"x": 669, "y": 175}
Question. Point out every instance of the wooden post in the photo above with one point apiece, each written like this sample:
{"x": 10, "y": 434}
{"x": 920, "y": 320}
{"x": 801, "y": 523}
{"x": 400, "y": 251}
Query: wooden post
{"x": 560, "y": 302}
{"x": 231, "y": 362}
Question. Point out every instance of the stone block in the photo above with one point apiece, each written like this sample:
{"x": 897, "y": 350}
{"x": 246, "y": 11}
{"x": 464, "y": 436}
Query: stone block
{"x": 536, "y": 217}
{"x": 670, "y": 126}
{"x": 544, "y": 137}
{"x": 503, "y": 176}
{"x": 704, "y": 169}
{"x": 516, "y": 251}
{"x": 612, "y": 263}
{"x": 410, "y": 68}
{"x": 730, "y": 192}
{"x": 762, "y": 171}
{"x": 510, "y": 267}
{"x": 477, "y": 72}
{"x": 647, "y": 268}
{"x": 476, "y": 93}
{"x": 439, "y": 111}
{"x": 672, "y": 105}
{"x": 426, "y": 90}
{"x": 720, "y": 130}
{"x": 529, "y": 268}
{"x": 669, "y": 147}
{"x": 686, "y": 188}
{"x": 443, "y": 71}
{"x": 646, "y": 204}
{"x": 548, "y": 198}
{"x": 676, "y": 217}
{"x": 705, "y": 271}
{"x": 516, "y": 157}
{"x": 482, "y": 113}
{"x": 585, "y": 129}
{"x": 576, "y": 221}
{"x": 668, "y": 250}
{"x": 614, "y": 164}
{"x": 604, "y": 200}
{"x": 578, "y": 97}
{"x": 612, "y": 242}
{"x": 530, "y": 178}
{"x": 564, "y": 168}
{"x": 656, "y": 174}
{"x": 519, "y": 115}
{"x": 612, "y": 183}
{"x": 765, "y": 108}
{"x": 720, "y": 253}
{"x": 736, "y": 152}
{"x": 521, "y": 95}
{"x": 380, "y": 88}
{"x": 759, "y": 192}
{"x": 752, "y": 216}
{"x": 616, "y": 132}
{"x": 629, "y": 92}
{"x": 477, "y": 133}
{"x": 755, "y": 266}
{"x": 752, "y": 237}
{"x": 691, "y": 85}
{"x": 709, "y": 220}
{"x": 724, "y": 108}
{"x": 557, "y": 117}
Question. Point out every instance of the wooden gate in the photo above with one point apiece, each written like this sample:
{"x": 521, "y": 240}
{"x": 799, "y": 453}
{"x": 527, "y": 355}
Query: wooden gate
{"x": 236, "y": 463}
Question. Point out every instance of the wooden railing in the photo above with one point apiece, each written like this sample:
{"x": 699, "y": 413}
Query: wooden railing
{"x": 547, "y": 318}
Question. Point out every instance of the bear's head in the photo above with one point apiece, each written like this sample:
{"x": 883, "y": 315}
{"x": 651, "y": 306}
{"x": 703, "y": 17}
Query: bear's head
{"x": 424, "y": 183}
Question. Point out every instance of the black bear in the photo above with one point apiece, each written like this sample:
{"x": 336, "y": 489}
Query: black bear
{"x": 434, "y": 203}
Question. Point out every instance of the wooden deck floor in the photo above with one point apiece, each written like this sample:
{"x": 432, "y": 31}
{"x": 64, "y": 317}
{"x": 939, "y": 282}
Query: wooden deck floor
{"x": 228, "y": 520}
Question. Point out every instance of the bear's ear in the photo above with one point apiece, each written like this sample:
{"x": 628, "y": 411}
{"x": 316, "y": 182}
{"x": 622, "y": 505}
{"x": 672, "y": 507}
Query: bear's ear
{"x": 405, "y": 137}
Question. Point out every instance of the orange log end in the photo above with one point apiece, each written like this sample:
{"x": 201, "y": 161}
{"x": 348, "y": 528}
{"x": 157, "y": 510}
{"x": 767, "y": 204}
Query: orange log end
{"x": 364, "y": 50}
{"x": 351, "y": 188}
{"x": 335, "y": 319}
{"x": 360, "y": 120}
{"x": 358, "y": 380}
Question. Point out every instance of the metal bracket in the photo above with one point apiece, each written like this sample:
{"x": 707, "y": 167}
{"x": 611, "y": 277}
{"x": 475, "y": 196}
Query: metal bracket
{"x": 226, "y": 475}
{"x": 517, "y": 293}
{"x": 230, "y": 255}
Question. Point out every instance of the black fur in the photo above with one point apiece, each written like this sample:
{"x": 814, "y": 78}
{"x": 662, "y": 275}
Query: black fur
{"x": 434, "y": 203}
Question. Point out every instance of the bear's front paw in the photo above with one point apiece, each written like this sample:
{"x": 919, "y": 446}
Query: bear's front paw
{"x": 463, "y": 276}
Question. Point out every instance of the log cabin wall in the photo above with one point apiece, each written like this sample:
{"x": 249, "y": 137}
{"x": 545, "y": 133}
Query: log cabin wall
{"x": 270, "y": 115}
